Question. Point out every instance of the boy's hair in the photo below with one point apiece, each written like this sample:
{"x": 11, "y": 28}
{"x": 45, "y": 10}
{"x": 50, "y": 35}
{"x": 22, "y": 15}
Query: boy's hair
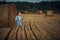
{"x": 18, "y": 12}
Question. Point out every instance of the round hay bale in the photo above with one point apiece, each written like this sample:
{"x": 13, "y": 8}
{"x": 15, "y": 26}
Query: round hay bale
{"x": 11, "y": 15}
{"x": 39, "y": 12}
{"x": 49, "y": 13}
{"x": 4, "y": 15}
{"x": 26, "y": 12}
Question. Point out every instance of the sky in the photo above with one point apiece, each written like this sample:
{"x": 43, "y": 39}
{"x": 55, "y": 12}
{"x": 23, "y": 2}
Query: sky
{"x": 28, "y": 0}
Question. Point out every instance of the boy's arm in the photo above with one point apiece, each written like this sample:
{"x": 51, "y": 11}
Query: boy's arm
{"x": 21, "y": 19}
{"x": 15, "y": 18}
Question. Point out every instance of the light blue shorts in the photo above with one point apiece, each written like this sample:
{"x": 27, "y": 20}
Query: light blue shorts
{"x": 19, "y": 23}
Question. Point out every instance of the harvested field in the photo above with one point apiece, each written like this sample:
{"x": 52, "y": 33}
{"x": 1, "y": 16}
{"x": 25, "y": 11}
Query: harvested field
{"x": 35, "y": 27}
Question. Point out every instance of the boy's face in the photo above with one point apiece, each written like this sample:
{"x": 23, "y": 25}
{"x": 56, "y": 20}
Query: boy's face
{"x": 19, "y": 14}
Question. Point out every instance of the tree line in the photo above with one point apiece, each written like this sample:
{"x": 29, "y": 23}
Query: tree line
{"x": 29, "y": 6}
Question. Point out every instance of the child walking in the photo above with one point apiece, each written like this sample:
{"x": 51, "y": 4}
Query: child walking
{"x": 18, "y": 19}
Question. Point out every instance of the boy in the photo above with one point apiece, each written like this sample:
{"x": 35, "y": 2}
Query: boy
{"x": 18, "y": 19}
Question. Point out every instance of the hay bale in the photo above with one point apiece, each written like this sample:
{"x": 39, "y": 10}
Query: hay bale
{"x": 49, "y": 13}
{"x": 4, "y": 15}
{"x": 26, "y": 11}
{"x": 7, "y": 15}
{"x": 1, "y": 10}
{"x": 39, "y": 12}
{"x": 6, "y": 9}
{"x": 12, "y": 14}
